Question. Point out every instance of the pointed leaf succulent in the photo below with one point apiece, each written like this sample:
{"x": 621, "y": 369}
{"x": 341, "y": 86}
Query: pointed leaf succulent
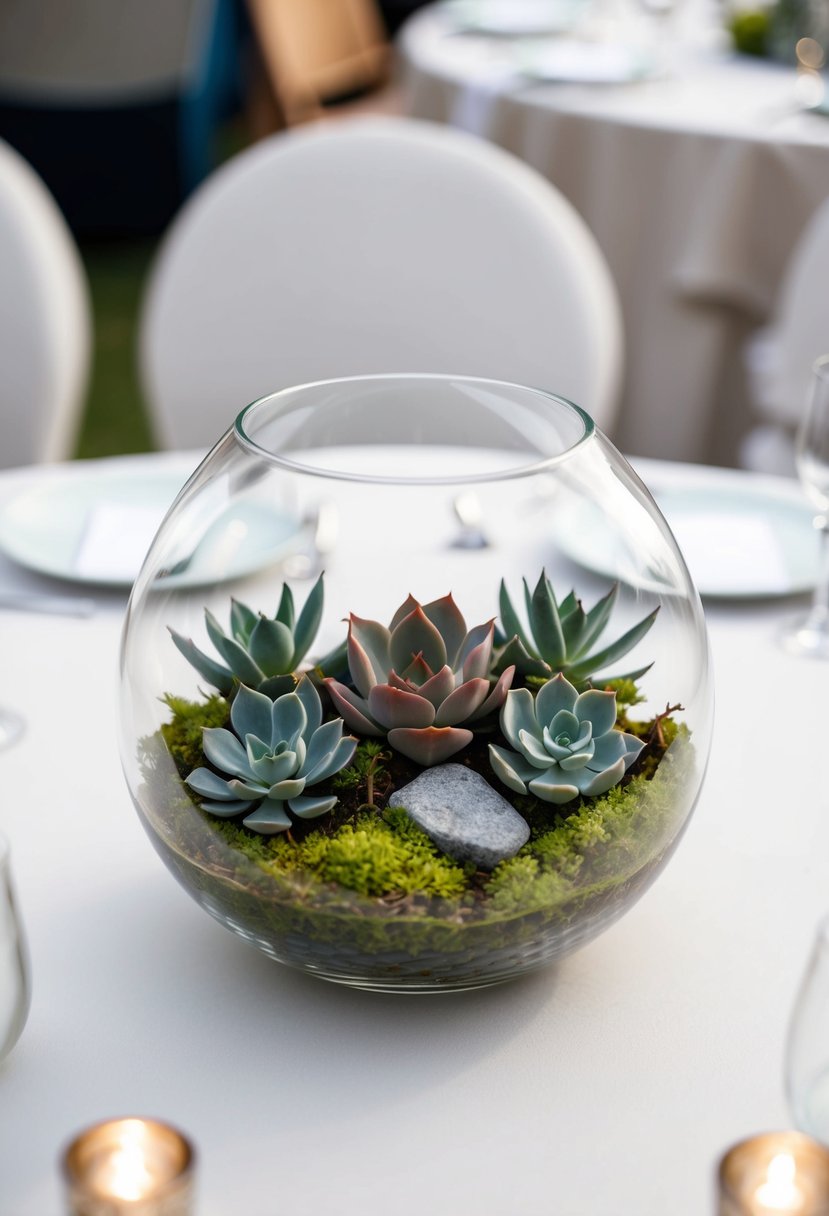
{"x": 276, "y": 751}
{"x": 561, "y": 636}
{"x": 260, "y": 651}
{"x": 566, "y": 743}
{"x": 421, "y": 681}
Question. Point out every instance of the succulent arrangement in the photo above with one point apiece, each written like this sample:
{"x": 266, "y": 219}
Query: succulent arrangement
{"x": 524, "y": 694}
{"x": 430, "y": 803}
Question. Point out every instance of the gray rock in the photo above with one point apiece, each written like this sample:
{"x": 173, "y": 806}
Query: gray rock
{"x": 463, "y": 815}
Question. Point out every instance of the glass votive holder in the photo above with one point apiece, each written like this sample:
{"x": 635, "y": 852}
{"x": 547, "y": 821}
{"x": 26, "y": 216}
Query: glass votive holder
{"x": 807, "y": 1046}
{"x": 129, "y": 1167}
{"x": 14, "y": 967}
{"x": 775, "y": 1174}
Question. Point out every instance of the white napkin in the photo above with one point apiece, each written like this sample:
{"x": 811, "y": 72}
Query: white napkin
{"x": 475, "y": 101}
{"x": 115, "y": 540}
{"x": 585, "y": 62}
{"x": 731, "y": 554}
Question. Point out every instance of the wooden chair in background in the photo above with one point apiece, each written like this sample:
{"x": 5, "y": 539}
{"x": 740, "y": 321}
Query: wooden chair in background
{"x": 313, "y": 51}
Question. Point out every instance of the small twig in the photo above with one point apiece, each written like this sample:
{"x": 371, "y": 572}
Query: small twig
{"x": 656, "y": 726}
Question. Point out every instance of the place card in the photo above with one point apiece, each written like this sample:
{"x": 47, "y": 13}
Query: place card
{"x": 731, "y": 554}
{"x": 115, "y": 540}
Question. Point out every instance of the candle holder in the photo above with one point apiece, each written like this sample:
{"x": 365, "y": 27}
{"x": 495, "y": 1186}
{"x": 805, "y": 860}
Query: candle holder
{"x": 775, "y": 1174}
{"x": 129, "y": 1167}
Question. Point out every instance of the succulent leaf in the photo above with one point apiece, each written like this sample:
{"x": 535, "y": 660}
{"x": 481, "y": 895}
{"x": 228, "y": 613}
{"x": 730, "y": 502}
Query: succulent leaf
{"x": 205, "y": 782}
{"x": 595, "y": 662}
{"x": 311, "y": 808}
{"x": 353, "y": 708}
{"x": 448, "y": 620}
{"x": 390, "y": 707}
{"x": 547, "y": 624}
{"x": 510, "y": 618}
{"x": 270, "y": 818}
{"x": 242, "y": 620}
{"x": 308, "y": 623}
{"x": 222, "y": 748}
{"x": 422, "y": 680}
{"x": 431, "y": 745}
{"x": 250, "y": 714}
{"x": 276, "y": 751}
{"x": 217, "y": 675}
{"x": 417, "y": 636}
{"x": 271, "y": 646}
{"x": 596, "y": 620}
{"x": 286, "y": 613}
{"x": 565, "y": 743}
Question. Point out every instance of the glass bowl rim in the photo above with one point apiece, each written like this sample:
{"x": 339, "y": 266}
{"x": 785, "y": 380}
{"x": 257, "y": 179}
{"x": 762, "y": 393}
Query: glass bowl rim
{"x": 527, "y": 470}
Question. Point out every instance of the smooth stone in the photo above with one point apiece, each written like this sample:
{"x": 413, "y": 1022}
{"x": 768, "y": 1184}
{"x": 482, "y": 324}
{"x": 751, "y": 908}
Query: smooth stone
{"x": 464, "y": 816}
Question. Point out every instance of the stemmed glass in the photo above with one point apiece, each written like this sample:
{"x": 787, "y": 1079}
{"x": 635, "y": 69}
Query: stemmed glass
{"x": 807, "y": 1050}
{"x": 11, "y": 727}
{"x": 14, "y": 967}
{"x": 809, "y": 635}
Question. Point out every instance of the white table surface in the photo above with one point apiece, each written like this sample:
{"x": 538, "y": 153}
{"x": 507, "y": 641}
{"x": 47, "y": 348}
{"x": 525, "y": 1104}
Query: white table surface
{"x": 696, "y": 184}
{"x": 607, "y": 1085}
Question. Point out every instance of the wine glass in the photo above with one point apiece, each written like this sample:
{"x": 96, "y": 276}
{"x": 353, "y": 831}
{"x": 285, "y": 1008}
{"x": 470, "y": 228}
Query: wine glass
{"x": 809, "y": 634}
{"x": 11, "y": 727}
{"x": 14, "y": 968}
{"x": 807, "y": 1049}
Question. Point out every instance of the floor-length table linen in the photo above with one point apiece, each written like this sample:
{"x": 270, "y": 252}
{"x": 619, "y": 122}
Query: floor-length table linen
{"x": 603, "y": 1086}
{"x": 696, "y": 183}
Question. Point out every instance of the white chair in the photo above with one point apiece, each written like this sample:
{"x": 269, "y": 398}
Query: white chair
{"x": 779, "y": 357}
{"x": 378, "y": 245}
{"x": 45, "y": 329}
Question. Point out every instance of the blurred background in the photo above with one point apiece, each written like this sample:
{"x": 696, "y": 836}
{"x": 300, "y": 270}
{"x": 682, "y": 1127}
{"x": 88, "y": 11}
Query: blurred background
{"x": 123, "y": 109}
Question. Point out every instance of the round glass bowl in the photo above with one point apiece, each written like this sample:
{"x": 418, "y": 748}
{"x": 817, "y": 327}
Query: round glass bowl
{"x": 402, "y": 490}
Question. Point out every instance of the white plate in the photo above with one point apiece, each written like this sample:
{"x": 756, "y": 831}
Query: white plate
{"x": 573, "y": 61}
{"x": 514, "y": 18}
{"x": 94, "y": 526}
{"x": 741, "y": 537}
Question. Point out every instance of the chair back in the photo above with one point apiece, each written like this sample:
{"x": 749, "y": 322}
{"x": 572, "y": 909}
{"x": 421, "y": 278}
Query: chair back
{"x": 379, "y": 245}
{"x": 45, "y": 329}
{"x": 802, "y": 325}
{"x": 315, "y": 50}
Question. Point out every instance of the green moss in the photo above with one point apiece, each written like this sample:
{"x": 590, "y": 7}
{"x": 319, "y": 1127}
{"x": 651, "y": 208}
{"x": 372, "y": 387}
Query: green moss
{"x": 183, "y": 735}
{"x": 372, "y": 858}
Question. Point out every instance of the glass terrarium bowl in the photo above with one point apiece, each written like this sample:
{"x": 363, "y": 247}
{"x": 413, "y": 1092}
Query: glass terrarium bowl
{"x": 564, "y": 746}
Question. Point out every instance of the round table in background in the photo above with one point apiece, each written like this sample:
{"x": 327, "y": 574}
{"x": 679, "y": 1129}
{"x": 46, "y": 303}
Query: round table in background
{"x": 696, "y": 183}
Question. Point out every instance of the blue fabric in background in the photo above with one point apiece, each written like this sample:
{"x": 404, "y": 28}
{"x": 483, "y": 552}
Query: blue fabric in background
{"x": 122, "y": 166}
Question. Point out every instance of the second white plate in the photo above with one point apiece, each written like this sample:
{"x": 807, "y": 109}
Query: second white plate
{"x": 742, "y": 537}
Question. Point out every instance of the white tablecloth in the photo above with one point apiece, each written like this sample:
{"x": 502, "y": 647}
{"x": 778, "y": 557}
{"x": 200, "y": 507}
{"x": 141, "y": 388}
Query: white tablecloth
{"x": 605, "y": 1086}
{"x": 696, "y": 185}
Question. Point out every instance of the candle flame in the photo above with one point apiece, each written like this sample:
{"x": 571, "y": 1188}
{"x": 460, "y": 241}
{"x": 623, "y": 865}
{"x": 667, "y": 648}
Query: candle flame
{"x": 129, "y": 1177}
{"x": 779, "y": 1192}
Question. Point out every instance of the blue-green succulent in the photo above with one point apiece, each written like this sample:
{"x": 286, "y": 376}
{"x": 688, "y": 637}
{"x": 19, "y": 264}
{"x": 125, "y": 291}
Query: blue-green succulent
{"x": 566, "y": 743}
{"x": 276, "y": 751}
{"x": 259, "y": 651}
{"x": 560, "y": 637}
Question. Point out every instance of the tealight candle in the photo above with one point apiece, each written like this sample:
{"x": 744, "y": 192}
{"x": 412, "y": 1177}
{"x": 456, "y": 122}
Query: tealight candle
{"x": 129, "y": 1167}
{"x": 777, "y": 1174}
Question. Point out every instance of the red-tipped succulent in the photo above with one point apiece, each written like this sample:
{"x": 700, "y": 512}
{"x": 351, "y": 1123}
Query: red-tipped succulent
{"x": 421, "y": 680}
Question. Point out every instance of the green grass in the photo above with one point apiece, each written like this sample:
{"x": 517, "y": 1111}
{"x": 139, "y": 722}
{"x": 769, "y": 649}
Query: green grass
{"x": 115, "y": 418}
